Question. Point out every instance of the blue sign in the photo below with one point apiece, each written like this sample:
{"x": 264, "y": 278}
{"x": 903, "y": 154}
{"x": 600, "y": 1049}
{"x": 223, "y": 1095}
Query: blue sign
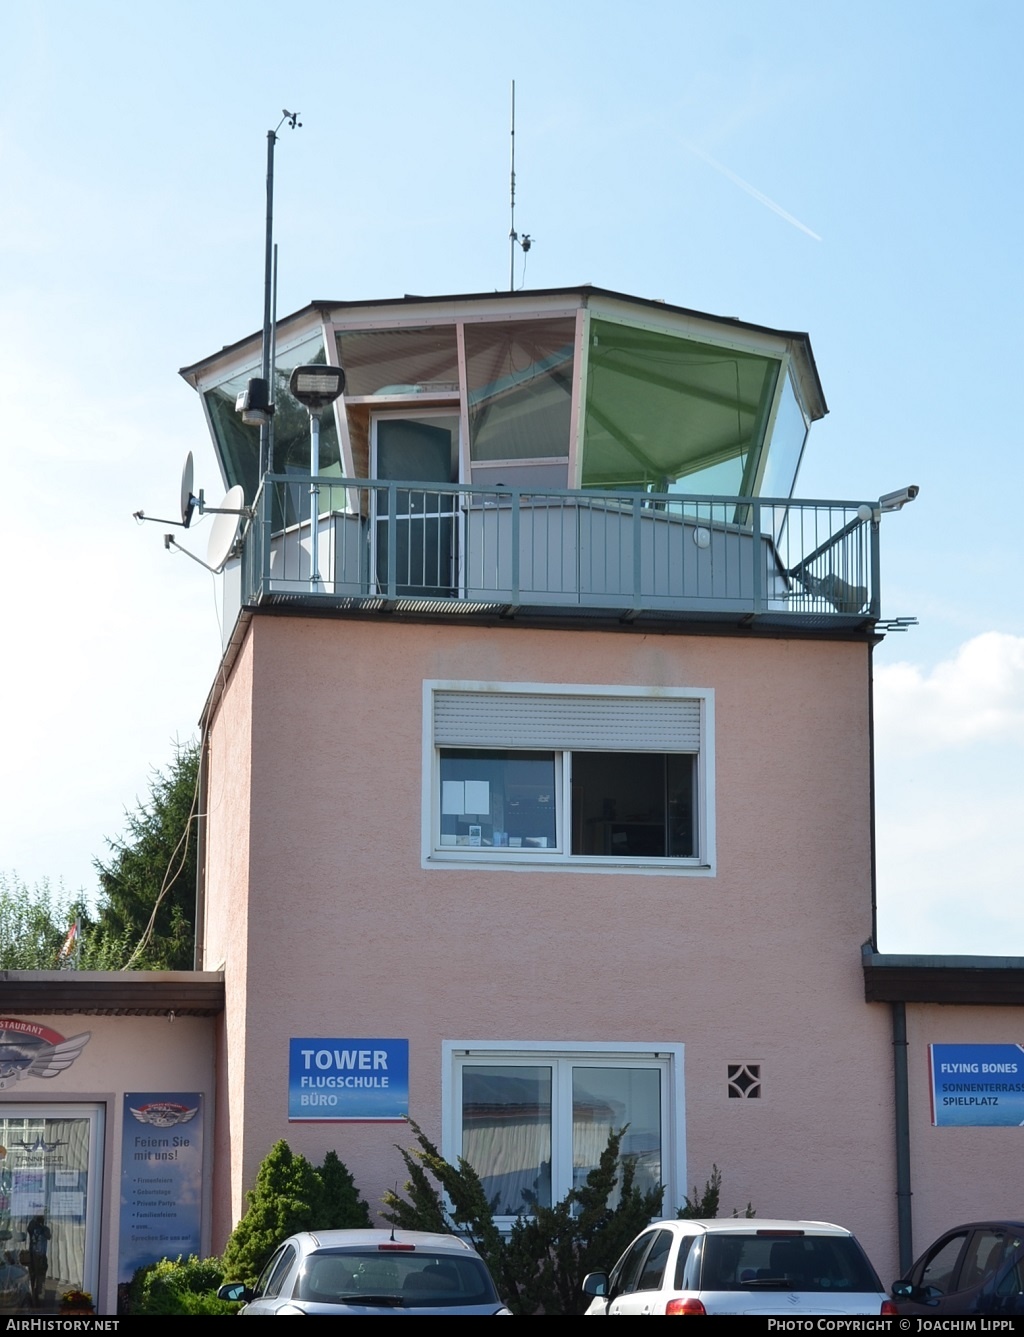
{"x": 161, "y": 1178}
{"x": 358, "y": 1080}
{"x": 977, "y": 1086}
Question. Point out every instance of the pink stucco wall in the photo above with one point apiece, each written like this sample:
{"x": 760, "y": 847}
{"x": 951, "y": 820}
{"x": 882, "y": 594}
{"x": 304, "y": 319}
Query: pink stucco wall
{"x": 224, "y": 931}
{"x": 958, "y": 1174}
{"x": 348, "y": 935}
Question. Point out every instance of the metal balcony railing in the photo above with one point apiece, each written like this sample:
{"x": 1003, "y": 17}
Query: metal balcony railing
{"x": 445, "y": 548}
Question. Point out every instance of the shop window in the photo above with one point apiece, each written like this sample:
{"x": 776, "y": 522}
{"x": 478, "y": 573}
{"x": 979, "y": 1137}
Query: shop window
{"x": 49, "y": 1203}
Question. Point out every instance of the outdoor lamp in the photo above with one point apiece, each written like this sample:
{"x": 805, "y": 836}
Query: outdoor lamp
{"x": 317, "y": 386}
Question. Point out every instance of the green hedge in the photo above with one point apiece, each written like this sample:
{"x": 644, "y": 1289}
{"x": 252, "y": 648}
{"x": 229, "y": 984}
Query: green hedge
{"x": 178, "y": 1286}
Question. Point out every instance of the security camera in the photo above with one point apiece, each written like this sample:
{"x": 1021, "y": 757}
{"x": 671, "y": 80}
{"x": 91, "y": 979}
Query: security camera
{"x": 895, "y": 501}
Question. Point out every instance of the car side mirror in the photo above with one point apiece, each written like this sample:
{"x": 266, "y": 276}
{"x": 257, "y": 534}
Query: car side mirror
{"x": 235, "y": 1291}
{"x": 920, "y": 1295}
{"x": 596, "y": 1284}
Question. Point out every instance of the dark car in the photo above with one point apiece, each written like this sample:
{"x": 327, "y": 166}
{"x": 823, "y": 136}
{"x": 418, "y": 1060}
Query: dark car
{"x": 972, "y": 1269}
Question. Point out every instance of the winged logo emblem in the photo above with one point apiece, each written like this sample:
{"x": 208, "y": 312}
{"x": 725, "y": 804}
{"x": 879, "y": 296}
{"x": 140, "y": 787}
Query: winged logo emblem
{"x": 164, "y": 1113}
{"x": 30, "y": 1050}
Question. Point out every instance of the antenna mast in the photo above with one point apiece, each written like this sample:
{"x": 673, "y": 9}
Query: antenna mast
{"x": 526, "y": 241}
{"x": 512, "y": 238}
{"x": 292, "y": 117}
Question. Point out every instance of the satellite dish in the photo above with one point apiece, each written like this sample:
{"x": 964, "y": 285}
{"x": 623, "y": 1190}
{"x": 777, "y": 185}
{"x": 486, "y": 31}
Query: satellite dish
{"x": 188, "y": 501}
{"x": 225, "y": 527}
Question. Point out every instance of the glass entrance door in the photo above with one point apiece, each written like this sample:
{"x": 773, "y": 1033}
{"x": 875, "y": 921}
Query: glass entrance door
{"x": 415, "y": 523}
{"x": 50, "y": 1178}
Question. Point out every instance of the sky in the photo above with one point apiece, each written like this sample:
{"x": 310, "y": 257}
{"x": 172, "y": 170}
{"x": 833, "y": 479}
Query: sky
{"x": 848, "y": 170}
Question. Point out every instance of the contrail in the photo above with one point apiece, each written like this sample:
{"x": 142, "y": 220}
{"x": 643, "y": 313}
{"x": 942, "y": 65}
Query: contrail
{"x": 752, "y": 190}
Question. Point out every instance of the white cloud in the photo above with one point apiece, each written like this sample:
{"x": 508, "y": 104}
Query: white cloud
{"x": 950, "y": 801}
{"x": 976, "y": 695}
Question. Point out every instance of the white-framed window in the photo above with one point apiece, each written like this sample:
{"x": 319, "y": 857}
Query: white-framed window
{"x": 599, "y": 777}
{"x": 533, "y": 1118}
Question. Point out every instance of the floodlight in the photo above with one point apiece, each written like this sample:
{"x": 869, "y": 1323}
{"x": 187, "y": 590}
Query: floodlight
{"x": 316, "y": 386}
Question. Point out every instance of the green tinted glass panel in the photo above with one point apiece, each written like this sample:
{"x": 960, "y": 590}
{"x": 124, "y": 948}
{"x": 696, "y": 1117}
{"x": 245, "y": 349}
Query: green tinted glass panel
{"x": 670, "y": 414}
{"x": 238, "y": 446}
{"x": 519, "y": 376}
{"x": 788, "y": 437}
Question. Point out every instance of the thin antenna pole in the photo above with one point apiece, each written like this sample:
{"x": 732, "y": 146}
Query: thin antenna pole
{"x": 267, "y": 282}
{"x": 273, "y": 367}
{"x": 512, "y": 231}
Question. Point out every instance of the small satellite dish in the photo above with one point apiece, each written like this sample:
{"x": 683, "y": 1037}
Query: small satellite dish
{"x": 225, "y": 528}
{"x": 188, "y": 501}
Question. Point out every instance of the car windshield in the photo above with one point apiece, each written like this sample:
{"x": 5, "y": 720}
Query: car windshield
{"x": 796, "y": 1263}
{"x": 377, "y": 1277}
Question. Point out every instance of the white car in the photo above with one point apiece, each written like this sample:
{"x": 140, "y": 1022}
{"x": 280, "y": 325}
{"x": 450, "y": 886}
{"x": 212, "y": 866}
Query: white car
{"x": 740, "y": 1265}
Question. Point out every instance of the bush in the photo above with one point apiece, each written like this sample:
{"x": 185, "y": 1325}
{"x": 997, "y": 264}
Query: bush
{"x": 540, "y": 1266}
{"x": 182, "y": 1286}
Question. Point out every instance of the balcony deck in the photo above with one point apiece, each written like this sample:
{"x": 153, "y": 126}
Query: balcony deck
{"x": 451, "y": 551}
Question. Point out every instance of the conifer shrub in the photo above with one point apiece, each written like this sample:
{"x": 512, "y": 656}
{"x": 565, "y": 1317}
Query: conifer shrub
{"x": 341, "y": 1207}
{"x": 290, "y": 1195}
{"x": 704, "y": 1205}
{"x": 539, "y": 1267}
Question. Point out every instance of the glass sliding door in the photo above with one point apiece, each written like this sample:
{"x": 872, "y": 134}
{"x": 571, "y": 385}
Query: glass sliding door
{"x": 50, "y": 1180}
{"x": 506, "y": 1134}
{"x": 415, "y": 523}
{"x": 534, "y": 1125}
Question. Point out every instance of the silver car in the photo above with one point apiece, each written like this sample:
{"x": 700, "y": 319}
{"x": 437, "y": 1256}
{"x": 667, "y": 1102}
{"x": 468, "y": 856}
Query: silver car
{"x": 740, "y": 1265}
{"x": 371, "y": 1272}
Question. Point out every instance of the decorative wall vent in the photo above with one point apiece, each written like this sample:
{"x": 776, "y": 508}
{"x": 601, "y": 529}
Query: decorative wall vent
{"x": 744, "y": 1081}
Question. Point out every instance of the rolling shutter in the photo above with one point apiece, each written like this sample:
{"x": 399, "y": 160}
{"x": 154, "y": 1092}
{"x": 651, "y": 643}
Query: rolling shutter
{"x": 567, "y": 723}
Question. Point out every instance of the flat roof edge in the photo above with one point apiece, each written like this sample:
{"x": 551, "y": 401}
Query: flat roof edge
{"x": 990, "y": 981}
{"x": 193, "y": 993}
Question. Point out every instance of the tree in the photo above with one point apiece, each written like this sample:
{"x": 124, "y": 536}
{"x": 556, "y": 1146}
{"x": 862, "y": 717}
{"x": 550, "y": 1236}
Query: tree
{"x": 146, "y": 917}
{"x": 34, "y": 923}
